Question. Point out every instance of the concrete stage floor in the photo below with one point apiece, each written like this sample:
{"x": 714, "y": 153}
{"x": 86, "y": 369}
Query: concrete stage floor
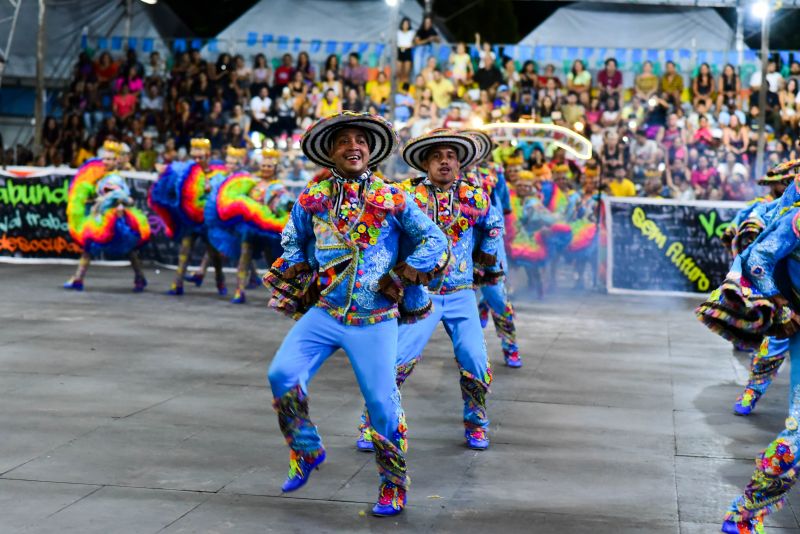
{"x": 146, "y": 413}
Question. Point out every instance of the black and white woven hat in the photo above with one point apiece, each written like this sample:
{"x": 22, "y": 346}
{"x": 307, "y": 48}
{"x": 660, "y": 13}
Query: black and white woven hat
{"x": 381, "y": 137}
{"x": 416, "y": 150}
{"x": 484, "y": 142}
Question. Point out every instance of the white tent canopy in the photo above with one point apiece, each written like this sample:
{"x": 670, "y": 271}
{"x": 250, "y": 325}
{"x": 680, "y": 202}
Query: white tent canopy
{"x": 324, "y": 20}
{"x": 611, "y": 25}
{"x": 67, "y": 20}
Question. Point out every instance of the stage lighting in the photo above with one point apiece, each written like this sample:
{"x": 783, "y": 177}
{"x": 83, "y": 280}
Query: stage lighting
{"x": 760, "y": 9}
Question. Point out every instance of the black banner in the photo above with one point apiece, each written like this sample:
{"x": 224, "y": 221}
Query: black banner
{"x": 667, "y": 246}
{"x": 33, "y": 221}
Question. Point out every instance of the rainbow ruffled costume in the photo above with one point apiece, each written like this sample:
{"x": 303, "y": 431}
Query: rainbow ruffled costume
{"x": 179, "y": 197}
{"x": 103, "y": 220}
{"x": 246, "y": 215}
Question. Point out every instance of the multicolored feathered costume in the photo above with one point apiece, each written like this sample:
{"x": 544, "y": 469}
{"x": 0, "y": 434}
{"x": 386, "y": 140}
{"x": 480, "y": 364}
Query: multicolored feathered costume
{"x": 341, "y": 277}
{"x": 179, "y": 198}
{"x": 246, "y": 215}
{"x": 494, "y": 295}
{"x": 759, "y": 298}
{"x": 103, "y": 220}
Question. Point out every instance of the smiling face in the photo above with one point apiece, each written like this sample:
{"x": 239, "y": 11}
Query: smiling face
{"x": 267, "y": 168}
{"x": 350, "y": 152}
{"x": 109, "y": 160}
{"x": 442, "y": 165}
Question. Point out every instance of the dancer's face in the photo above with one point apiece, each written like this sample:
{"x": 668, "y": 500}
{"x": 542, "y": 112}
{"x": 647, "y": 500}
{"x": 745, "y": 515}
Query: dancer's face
{"x": 442, "y": 166}
{"x": 267, "y": 168}
{"x": 110, "y": 161}
{"x": 200, "y": 156}
{"x": 350, "y": 152}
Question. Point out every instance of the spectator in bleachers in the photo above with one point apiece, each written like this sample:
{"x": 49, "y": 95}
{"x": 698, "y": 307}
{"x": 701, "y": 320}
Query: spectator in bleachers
{"x": 405, "y": 42}
{"x": 789, "y": 100}
{"x": 489, "y": 77}
{"x": 736, "y": 138}
{"x": 579, "y": 81}
{"x": 528, "y": 78}
{"x": 352, "y": 101}
{"x": 426, "y": 34}
{"x": 305, "y": 68}
{"x": 442, "y": 90}
{"x": 609, "y": 80}
{"x": 672, "y": 84}
{"x": 460, "y": 65}
{"x": 354, "y": 74}
{"x": 331, "y": 82}
{"x": 261, "y": 74}
{"x": 332, "y": 63}
{"x": 646, "y": 84}
{"x": 702, "y": 86}
{"x": 728, "y": 89}
{"x": 330, "y": 105}
{"x": 620, "y": 185}
{"x": 260, "y": 107}
{"x": 283, "y": 74}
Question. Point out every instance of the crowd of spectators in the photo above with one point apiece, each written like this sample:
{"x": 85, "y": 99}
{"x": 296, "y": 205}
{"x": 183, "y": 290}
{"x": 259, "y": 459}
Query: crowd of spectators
{"x": 669, "y": 134}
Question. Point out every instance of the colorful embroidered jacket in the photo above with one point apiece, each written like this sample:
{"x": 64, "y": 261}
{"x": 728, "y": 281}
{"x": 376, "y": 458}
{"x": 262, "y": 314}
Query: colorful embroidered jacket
{"x": 460, "y": 212}
{"x": 780, "y": 240}
{"x": 341, "y": 248}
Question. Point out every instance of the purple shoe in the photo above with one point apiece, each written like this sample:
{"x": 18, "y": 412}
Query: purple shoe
{"x": 391, "y": 500}
{"x": 513, "y": 360}
{"x": 476, "y": 439}
{"x": 752, "y": 526}
{"x": 746, "y": 402}
{"x": 196, "y": 279}
{"x": 139, "y": 283}
{"x": 75, "y": 284}
{"x": 221, "y": 289}
{"x": 238, "y": 297}
{"x": 364, "y": 442}
{"x": 175, "y": 290}
{"x": 300, "y": 469}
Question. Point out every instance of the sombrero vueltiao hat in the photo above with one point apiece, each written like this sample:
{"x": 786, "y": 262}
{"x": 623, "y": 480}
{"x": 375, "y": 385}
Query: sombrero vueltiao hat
{"x": 783, "y": 173}
{"x": 484, "y": 142}
{"x": 416, "y": 150}
{"x": 381, "y": 137}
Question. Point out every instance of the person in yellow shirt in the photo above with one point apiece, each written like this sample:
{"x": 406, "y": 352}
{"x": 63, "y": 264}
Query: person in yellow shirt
{"x": 620, "y": 186}
{"x": 330, "y": 105}
{"x": 442, "y": 89}
{"x": 379, "y": 89}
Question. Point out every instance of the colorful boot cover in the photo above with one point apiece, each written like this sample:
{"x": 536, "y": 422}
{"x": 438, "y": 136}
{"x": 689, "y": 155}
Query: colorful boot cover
{"x": 476, "y": 424}
{"x": 775, "y": 474}
{"x": 763, "y": 369}
{"x": 391, "y": 458}
{"x": 301, "y": 436}
{"x": 391, "y": 500}
{"x": 504, "y": 326}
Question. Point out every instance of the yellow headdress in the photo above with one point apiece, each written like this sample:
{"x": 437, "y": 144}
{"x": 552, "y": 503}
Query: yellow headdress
{"x": 561, "y": 167}
{"x": 112, "y": 146}
{"x": 591, "y": 172}
{"x": 514, "y": 161}
{"x": 200, "y": 142}
{"x": 271, "y": 153}
{"x": 526, "y": 176}
{"x": 238, "y": 153}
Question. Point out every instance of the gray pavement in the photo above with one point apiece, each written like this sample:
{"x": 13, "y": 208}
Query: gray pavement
{"x": 146, "y": 413}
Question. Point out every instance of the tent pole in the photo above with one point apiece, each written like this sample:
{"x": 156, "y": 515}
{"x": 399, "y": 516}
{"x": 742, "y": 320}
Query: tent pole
{"x": 394, "y": 25}
{"x": 128, "y": 17}
{"x": 38, "y": 109}
{"x": 762, "y": 96}
{"x": 740, "y": 32}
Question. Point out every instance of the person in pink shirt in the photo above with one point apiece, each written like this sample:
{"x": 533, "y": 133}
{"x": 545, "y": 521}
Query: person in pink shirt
{"x": 702, "y": 175}
{"x": 124, "y": 103}
{"x": 610, "y": 80}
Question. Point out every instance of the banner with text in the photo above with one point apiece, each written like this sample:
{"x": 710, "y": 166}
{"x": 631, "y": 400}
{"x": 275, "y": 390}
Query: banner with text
{"x": 33, "y": 217}
{"x": 666, "y": 246}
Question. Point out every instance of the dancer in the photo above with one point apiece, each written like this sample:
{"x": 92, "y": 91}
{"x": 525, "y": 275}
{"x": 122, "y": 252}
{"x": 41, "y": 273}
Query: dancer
{"x": 340, "y": 275}
{"x": 744, "y": 229}
{"x": 179, "y": 197}
{"x": 235, "y": 161}
{"x": 758, "y": 298}
{"x": 524, "y": 230}
{"x": 459, "y": 209}
{"x": 102, "y": 218}
{"x": 493, "y": 291}
{"x": 245, "y": 215}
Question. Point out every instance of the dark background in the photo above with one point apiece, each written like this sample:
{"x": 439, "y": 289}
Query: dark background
{"x": 498, "y": 21}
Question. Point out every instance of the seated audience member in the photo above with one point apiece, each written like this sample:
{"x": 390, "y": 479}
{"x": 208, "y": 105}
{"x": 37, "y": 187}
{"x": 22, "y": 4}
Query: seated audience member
{"x": 703, "y": 86}
{"x": 609, "y": 81}
{"x": 672, "y": 84}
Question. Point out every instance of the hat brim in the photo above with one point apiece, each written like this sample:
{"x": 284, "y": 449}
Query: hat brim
{"x": 381, "y": 137}
{"x": 784, "y": 179}
{"x": 484, "y": 143}
{"x": 415, "y": 151}
{"x": 783, "y": 168}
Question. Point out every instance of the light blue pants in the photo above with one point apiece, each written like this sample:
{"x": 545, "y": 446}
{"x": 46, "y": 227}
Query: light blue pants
{"x": 459, "y": 315}
{"x": 370, "y": 349}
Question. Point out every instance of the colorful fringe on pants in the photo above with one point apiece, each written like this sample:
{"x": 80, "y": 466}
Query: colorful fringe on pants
{"x": 763, "y": 368}
{"x": 775, "y": 474}
{"x": 473, "y": 391}
{"x": 504, "y": 326}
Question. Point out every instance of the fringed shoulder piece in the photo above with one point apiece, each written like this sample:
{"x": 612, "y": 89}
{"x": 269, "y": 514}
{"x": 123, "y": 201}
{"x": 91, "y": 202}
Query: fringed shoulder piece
{"x": 474, "y": 200}
{"x": 316, "y": 198}
{"x": 385, "y": 197}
